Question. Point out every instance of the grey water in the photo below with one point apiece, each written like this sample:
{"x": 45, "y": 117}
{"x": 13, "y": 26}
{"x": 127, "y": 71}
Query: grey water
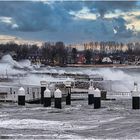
{"x": 115, "y": 120}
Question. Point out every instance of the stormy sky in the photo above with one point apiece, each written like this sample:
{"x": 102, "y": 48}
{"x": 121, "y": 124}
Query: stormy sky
{"x": 71, "y": 21}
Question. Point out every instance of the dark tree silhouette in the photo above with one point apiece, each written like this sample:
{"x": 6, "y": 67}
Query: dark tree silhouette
{"x": 74, "y": 55}
{"x": 88, "y": 56}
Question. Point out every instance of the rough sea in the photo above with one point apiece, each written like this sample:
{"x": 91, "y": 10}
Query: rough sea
{"x": 114, "y": 120}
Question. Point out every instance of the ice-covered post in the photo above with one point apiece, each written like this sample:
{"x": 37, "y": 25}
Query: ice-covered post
{"x": 47, "y": 97}
{"x": 135, "y": 97}
{"x": 57, "y": 99}
{"x": 21, "y": 96}
{"x": 103, "y": 94}
{"x": 90, "y": 94}
{"x": 68, "y": 87}
{"x": 43, "y": 87}
{"x": 97, "y": 98}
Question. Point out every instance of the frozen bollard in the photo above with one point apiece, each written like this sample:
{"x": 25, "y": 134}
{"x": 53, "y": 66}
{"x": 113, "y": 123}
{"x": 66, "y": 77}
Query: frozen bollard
{"x": 90, "y": 95}
{"x": 135, "y": 97}
{"x": 43, "y": 87}
{"x": 47, "y": 98}
{"x": 57, "y": 99}
{"x": 68, "y": 97}
{"x": 21, "y": 96}
{"x": 97, "y": 98}
{"x": 103, "y": 94}
{"x": 68, "y": 87}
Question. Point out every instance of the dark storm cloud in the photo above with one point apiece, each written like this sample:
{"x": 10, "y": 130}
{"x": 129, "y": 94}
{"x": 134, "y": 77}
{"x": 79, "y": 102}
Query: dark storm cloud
{"x": 121, "y": 29}
{"x": 35, "y": 16}
{"x": 104, "y": 7}
{"x": 54, "y": 19}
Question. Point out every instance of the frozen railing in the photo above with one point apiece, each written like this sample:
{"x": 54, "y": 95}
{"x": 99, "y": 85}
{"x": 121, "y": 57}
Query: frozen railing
{"x": 11, "y": 93}
{"x": 118, "y": 94}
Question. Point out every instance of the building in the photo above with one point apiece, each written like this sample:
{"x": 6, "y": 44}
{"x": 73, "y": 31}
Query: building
{"x": 106, "y": 60}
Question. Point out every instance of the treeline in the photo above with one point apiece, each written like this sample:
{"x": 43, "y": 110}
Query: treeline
{"x": 133, "y": 48}
{"x": 54, "y": 53}
{"x": 18, "y": 51}
{"x": 58, "y": 53}
{"x": 130, "y": 48}
{"x": 113, "y": 44}
{"x": 107, "y": 43}
{"x": 47, "y": 53}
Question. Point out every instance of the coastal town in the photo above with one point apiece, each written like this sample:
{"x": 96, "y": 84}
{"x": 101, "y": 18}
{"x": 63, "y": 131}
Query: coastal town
{"x": 60, "y": 54}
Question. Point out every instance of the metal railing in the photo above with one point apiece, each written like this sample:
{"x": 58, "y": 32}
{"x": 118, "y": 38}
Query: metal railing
{"x": 119, "y": 94}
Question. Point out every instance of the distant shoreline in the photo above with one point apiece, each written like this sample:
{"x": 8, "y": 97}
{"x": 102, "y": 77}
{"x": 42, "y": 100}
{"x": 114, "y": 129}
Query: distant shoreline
{"x": 99, "y": 65}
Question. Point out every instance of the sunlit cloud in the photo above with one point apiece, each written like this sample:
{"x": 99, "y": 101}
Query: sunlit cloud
{"x": 14, "y": 26}
{"x": 131, "y": 21}
{"x": 8, "y": 21}
{"x": 83, "y": 14}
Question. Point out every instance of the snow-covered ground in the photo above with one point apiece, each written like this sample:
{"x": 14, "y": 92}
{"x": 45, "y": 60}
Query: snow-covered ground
{"x": 115, "y": 120}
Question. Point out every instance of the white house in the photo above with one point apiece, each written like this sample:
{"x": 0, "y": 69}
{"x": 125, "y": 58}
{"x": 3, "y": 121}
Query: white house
{"x": 106, "y": 60}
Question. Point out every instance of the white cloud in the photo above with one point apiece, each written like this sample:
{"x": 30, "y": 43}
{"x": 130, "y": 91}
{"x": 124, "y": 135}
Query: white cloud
{"x": 84, "y": 13}
{"x": 14, "y": 26}
{"x": 8, "y": 21}
{"x": 131, "y": 21}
